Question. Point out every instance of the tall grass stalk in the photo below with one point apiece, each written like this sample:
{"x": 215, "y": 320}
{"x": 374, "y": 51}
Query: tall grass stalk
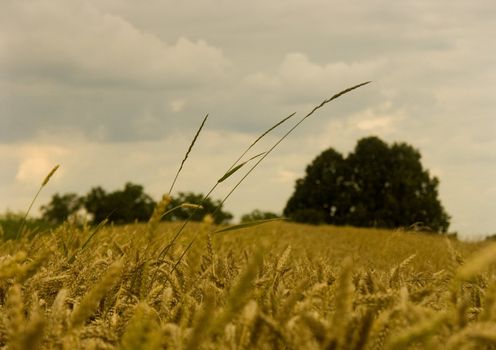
{"x": 164, "y": 251}
{"x": 187, "y": 153}
{"x": 43, "y": 184}
{"x": 322, "y": 104}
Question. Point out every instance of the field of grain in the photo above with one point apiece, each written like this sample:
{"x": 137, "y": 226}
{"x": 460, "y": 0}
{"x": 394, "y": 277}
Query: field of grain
{"x": 274, "y": 286}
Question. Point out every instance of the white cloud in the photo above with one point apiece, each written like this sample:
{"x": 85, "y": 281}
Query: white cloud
{"x": 33, "y": 170}
{"x": 35, "y": 162}
{"x": 373, "y": 123}
{"x": 298, "y": 79}
{"x": 286, "y": 176}
{"x": 382, "y": 120}
{"x": 297, "y": 68}
{"x": 177, "y": 105}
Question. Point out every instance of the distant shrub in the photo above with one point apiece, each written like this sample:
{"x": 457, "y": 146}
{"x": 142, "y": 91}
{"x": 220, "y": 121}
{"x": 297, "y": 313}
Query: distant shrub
{"x": 258, "y": 215}
{"x": 209, "y": 207}
{"x": 11, "y": 223}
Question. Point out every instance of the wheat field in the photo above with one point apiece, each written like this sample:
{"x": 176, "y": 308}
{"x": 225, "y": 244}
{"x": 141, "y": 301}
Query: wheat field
{"x": 274, "y": 286}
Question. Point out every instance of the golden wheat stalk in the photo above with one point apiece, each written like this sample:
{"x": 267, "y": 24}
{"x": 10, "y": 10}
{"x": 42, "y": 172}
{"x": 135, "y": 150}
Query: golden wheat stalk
{"x": 15, "y": 316}
{"x": 143, "y": 330}
{"x": 89, "y": 302}
{"x": 478, "y": 263}
{"x": 418, "y": 333}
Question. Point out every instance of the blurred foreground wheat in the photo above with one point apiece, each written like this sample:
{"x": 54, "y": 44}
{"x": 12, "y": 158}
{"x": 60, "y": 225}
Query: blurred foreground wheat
{"x": 280, "y": 286}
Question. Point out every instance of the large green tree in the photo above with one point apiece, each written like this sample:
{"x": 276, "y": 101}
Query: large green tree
{"x": 376, "y": 185}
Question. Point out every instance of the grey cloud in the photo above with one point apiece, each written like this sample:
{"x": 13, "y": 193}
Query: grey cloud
{"x": 121, "y": 63}
{"x": 75, "y": 43}
{"x": 68, "y": 67}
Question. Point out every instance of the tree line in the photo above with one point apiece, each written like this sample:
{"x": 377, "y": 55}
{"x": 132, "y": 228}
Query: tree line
{"x": 376, "y": 185}
{"x": 131, "y": 204}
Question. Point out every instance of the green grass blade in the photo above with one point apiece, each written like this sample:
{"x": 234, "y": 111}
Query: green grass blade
{"x": 261, "y": 137}
{"x": 182, "y": 206}
{"x": 236, "y": 168}
{"x": 248, "y": 224}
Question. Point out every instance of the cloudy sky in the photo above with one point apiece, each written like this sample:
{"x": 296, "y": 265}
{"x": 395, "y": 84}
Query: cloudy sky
{"x": 114, "y": 90}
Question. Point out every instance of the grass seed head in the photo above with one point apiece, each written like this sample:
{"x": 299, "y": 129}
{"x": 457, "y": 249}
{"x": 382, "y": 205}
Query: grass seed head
{"x": 49, "y": 175}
